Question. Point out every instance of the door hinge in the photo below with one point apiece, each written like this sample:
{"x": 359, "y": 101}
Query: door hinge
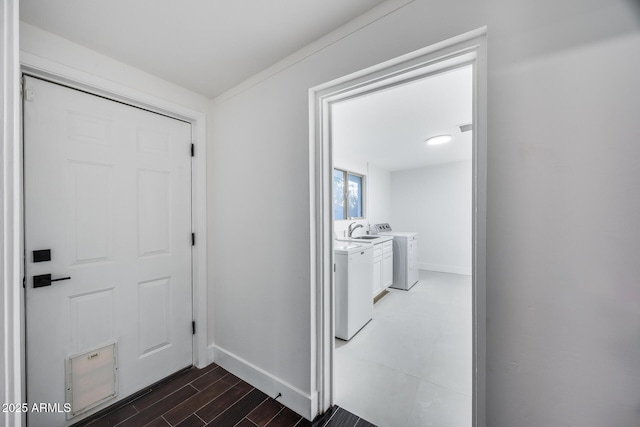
{"x": 24, "y": 282}
{"x": 193, "y": 150}
{"x": 27, "y": 93}
{"x": 193, "y": 327}
{"x": 334, "y": 268}
{"x": 193, "y": 239}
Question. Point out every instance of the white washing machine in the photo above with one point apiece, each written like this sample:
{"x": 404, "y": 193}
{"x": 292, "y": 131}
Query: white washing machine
{"x": 405, "y": 255}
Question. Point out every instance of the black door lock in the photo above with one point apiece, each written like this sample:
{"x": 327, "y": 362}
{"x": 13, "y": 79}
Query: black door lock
{"x": 45, "y": 280}
{"x": 42, "y": 255}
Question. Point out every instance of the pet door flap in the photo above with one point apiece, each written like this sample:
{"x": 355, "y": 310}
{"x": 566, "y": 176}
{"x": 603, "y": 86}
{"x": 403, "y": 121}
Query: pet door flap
{"x": 92, "y": 378}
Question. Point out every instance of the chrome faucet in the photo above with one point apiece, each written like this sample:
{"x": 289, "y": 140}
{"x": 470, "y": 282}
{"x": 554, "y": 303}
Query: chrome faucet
{"x": 352, "y": 228}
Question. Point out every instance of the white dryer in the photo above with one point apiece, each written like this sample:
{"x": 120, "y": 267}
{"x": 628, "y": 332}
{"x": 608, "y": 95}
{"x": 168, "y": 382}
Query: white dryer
{"x": 405, "y": 255}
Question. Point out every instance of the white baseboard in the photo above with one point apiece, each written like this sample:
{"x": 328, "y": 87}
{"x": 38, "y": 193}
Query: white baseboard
{"x": 303, "y": 404}
{"x": 444, "y": 268}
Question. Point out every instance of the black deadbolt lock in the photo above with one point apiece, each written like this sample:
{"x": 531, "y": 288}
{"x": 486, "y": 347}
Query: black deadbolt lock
{"x": 42, "y": 255}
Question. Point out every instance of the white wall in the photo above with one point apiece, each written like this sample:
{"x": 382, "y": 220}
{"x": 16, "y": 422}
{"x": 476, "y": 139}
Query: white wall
{"x": 359, "y": 166}
{"x": 435, "y": 202}
{"x": 379, "y": 195}
{"x": 48, "y": 46}
{"x": 563, "y": 305}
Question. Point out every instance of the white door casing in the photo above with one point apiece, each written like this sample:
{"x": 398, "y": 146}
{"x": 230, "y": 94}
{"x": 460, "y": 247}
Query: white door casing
{"x": 108, "y": 190}
{"x": 466, "y": 49}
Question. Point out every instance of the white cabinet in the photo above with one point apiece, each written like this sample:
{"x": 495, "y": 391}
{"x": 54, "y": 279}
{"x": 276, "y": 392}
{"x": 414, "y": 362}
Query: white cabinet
{"x": 382, "y": 266}
{"x": 387, "y": 264}
{"x": 377, "y": 269}
{"x": 382, "y": 255}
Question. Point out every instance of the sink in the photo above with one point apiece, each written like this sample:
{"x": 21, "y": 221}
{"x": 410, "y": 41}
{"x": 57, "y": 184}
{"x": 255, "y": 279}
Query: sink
{"x": 349, "y": 247}
{"x": 346, "y": 246}
{"x": 366, "y": 237}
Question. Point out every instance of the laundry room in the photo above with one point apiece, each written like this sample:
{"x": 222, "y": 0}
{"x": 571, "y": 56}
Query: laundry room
{"x": 402, "y": 209}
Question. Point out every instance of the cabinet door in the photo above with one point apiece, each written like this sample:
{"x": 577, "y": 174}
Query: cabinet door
{"x": 377, "y": 275}
{"x": 387, "y": 270}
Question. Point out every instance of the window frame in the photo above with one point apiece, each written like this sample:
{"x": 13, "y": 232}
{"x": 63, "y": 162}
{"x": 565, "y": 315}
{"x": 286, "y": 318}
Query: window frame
{"x": 345, "y": 194}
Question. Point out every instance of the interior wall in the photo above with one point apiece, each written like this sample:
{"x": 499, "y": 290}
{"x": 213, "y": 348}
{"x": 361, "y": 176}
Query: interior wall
{"x": 379, "y": 195}
{"x": 436, "y": 202}
{"x": 42, "y": 44}
{"x": 562, "y": 296}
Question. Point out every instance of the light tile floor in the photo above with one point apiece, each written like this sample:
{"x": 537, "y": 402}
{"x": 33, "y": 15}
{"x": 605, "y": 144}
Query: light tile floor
{"x": 411, "y": 365}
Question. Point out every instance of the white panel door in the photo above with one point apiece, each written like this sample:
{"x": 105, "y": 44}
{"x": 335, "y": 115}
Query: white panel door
{"x": 108, "y": 191}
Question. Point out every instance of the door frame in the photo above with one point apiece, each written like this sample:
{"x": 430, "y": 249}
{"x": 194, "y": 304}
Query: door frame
{"x": 11, "y": 356}
{"x": 468, "y": 48}
{"x": 76, "y": 79}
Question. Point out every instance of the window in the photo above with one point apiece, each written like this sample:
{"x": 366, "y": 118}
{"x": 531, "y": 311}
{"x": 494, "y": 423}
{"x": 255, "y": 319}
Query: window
{"x": 348, "y": 194}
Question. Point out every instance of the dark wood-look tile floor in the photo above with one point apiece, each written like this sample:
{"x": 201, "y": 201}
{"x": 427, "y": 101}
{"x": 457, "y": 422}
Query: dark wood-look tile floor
{"x": 211, "y": 397}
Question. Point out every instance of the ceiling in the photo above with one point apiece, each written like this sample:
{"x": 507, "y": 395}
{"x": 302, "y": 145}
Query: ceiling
{"x": 207, "y": 46}
{"x": 210, "y": 46}
{"x": 388, "y": 128}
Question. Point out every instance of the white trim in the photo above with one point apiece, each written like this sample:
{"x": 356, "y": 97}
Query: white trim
{"x": 296, "y": 400}
{"x": 60, "y": 73}
{"x": 11, "y": 295}
{"x": 453, "y": 269}
{"x": 73, "y": 77}
{"x": 479, "y": 233}
{"x": 386, "y": 8}
{"x": 468, "y": 48}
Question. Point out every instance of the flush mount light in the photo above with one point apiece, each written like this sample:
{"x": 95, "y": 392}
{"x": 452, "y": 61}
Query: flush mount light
{"x": 440, "y": 139}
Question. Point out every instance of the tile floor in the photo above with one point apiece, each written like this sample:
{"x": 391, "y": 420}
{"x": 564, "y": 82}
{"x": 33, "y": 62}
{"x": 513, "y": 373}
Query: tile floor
{"x": 411, "y": 365}
{"x": 214, "y": 397}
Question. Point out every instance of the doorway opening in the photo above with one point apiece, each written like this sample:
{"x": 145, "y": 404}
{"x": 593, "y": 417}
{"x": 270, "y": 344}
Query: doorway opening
{"x": 466, "y": 52}
{"x": 407, "y": 360}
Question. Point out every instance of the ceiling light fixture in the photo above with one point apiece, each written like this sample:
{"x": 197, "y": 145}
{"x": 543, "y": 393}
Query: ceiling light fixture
{"x": 440, "y": 139}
